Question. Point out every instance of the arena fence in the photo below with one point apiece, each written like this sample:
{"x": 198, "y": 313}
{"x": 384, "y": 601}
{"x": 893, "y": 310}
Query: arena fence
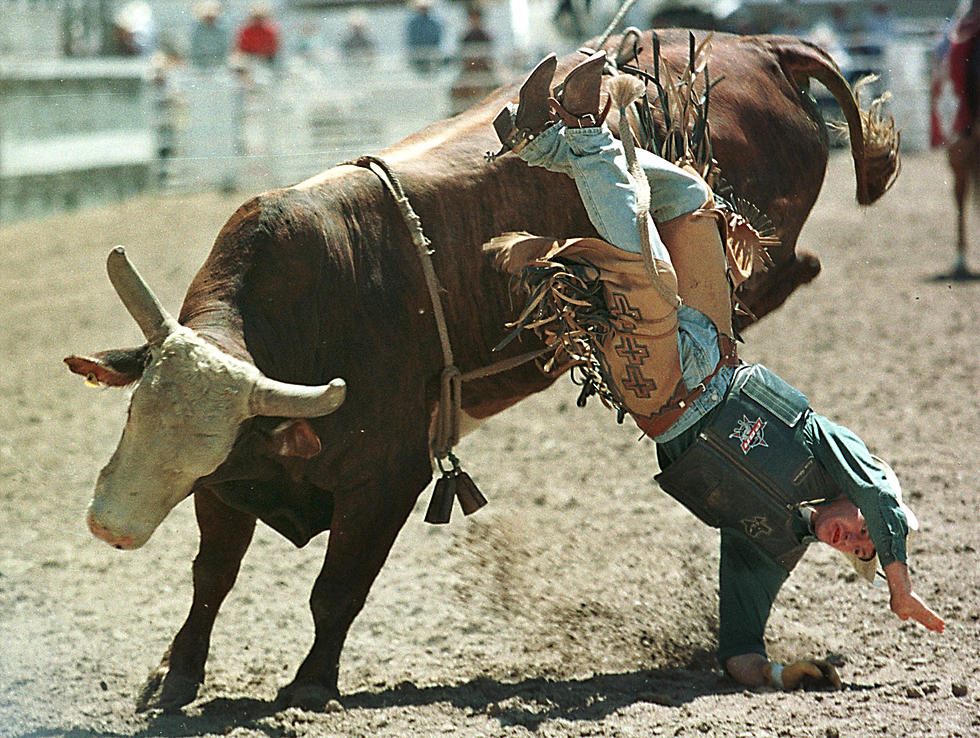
{"x": 263, "y": 129}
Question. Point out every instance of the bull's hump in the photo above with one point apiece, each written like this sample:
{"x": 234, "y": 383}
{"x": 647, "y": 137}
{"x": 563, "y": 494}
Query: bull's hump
{"x": 474, "y": 124}
{"x": 341, "y": 170}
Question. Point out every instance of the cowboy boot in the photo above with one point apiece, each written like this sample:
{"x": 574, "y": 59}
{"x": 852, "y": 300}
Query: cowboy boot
{"x": 517, "y": 128}
{"x": 577, "y": 102}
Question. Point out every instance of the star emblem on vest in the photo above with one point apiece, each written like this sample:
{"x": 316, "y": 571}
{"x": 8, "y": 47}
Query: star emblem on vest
{"x": 748, "y": 433}
{"x": 757, "y": 526}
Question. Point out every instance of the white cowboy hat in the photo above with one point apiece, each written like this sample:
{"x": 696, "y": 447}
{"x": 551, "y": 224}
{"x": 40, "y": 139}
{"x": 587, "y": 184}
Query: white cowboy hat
{"x": 869, "y": 569}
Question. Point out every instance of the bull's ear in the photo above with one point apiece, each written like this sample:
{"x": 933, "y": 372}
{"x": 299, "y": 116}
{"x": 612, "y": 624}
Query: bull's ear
{"x": 115, "y": 368}
{"x": 296, "y": 438}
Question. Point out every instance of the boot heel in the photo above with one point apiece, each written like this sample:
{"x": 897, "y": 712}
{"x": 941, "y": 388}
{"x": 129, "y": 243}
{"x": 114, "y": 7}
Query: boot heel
{"x": 577, "y": 102}
{"x": 516, "y": 128}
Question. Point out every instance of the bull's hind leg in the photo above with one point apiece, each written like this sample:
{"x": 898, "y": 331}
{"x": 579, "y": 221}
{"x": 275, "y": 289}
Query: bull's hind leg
{"x": 366, "y": 525}
{"x": 225, "y": 536}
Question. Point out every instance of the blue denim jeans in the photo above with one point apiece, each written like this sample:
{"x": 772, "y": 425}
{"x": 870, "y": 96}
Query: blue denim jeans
{"x": 595, "y": 160}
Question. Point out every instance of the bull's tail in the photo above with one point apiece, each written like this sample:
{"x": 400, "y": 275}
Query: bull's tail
{"x": 874, "y": 139}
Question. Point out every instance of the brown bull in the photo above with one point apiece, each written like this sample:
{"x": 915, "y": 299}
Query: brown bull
{"x": 322, "y": 281}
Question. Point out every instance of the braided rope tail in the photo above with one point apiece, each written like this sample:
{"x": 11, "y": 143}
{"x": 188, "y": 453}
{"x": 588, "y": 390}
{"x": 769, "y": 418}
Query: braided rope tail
{"x": 624, "y": 90}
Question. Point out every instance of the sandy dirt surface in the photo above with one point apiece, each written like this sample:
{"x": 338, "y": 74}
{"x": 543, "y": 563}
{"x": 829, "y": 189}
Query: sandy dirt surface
{"x": 581, "y": 601}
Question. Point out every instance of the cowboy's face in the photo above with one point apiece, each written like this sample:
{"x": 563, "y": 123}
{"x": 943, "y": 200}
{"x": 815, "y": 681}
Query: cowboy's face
{"x": 840, "y": 524}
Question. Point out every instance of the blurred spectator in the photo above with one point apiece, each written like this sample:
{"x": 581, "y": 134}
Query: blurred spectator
{"x": 357, "y": 45}
{"x": 477, "y": 75}
{"x": 572, "y": 18}
{"x": 307, "y": 46}
{"x": 789, "y": 23}
{"x": 684, "y": 14}
{"x": 133, "y": 32}
{"x": 423, "y": 36}
{"x": 167, "y": 110}
{"x": 827, "y": 33}
{"x": 875, "y": 33}
{"x": 210, "y": 40}
{"x": 964, "y": 69}
{"x": 943, "y": 102}
{"x": 258, "y": 38}
{"x": 880, "y": 27}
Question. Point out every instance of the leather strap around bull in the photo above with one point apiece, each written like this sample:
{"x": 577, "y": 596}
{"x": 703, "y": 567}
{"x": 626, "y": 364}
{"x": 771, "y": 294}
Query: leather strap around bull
{"x": 447, "y": 421}
{"x": 450, "y": 406}
{"x": 454, "y": 481}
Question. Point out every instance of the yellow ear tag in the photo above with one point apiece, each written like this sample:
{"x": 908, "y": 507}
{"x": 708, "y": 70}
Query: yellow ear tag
{"x": 91, "y": 380}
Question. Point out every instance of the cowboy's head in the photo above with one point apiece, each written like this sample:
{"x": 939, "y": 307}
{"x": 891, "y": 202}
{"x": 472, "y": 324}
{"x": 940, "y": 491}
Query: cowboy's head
{"x": 841, "y": 525}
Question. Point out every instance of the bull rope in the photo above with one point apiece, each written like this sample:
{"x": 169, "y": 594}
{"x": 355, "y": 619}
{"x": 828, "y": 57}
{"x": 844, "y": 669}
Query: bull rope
{"x": 614, "y": 23}
{"x": 454, "y": 482}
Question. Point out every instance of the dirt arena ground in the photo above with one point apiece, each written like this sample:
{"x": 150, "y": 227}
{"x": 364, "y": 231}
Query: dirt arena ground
{"x": 581, "y": 601}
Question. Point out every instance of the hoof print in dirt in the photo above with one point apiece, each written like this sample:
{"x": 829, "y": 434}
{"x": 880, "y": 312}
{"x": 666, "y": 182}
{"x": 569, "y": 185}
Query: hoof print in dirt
{"x": 166, "y": 690}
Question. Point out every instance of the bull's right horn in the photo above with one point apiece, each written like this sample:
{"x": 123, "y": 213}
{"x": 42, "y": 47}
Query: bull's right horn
{"x": 279, "y": 399}
{"x": 152, "y": 318}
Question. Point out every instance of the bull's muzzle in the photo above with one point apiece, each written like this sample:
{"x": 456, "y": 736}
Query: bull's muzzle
{"x": 104, "y": 533}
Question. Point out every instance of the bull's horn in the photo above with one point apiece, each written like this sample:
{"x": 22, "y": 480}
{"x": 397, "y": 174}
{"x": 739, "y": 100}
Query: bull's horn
{"x": 155, "y": 322}
{"x": 279, "y": 399}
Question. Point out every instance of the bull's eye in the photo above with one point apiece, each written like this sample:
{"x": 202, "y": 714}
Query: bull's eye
{"x": 91, "y": 380}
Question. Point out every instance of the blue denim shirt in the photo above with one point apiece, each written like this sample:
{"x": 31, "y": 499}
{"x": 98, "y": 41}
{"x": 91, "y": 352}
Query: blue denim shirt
{"x": 697, "y": 342}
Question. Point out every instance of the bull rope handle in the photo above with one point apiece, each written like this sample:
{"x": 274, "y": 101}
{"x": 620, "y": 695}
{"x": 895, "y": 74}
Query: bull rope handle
{"x": 640, "y": 183}
{"x": 625, "y": 90}
{"x": 614, "y": 23}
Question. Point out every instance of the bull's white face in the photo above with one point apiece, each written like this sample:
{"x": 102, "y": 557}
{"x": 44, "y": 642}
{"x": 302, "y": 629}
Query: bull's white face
{"x": 184, "y": 416}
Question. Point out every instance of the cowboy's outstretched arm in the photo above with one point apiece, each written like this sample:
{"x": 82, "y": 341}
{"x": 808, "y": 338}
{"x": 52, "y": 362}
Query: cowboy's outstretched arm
{"x": 905, "y": 603}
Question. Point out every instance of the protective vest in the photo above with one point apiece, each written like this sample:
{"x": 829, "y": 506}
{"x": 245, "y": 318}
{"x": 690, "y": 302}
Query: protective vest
{"x": 748, "y": 468}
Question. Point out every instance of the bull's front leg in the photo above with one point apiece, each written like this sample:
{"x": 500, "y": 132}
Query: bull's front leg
{"x": 366, "y": 524}
{"x": 225, "y": 536}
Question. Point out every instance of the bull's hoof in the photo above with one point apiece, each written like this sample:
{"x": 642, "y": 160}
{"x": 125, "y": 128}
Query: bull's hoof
{"x": 308, "y": 695}
{"x": 166, "y": 690}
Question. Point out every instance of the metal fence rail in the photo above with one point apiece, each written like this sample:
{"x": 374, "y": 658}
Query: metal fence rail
{"x": 274, "y": 129}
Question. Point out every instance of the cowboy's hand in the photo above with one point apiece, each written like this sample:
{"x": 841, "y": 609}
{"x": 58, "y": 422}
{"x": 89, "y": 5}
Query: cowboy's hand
{"x": 808, "y": 674}
{"x": 905, "y": 603}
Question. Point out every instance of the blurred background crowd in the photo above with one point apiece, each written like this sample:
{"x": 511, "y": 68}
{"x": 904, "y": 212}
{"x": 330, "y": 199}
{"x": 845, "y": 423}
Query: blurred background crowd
{"x": 102, "y": 98}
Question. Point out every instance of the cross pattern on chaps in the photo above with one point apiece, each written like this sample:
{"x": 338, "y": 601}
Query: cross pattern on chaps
{"x": 626, "y": 314}
{"x": 636, "y": 383}
{"x": 632, "y": 351}
{"x": 629, "y": 349}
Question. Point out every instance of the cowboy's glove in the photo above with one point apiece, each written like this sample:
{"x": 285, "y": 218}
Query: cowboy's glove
{"x": 808, "y": 674}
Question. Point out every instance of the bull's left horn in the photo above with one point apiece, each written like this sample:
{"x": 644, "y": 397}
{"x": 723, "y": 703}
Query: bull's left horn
{"x": 279, "y": 399}
{"x": 152, "y": 318}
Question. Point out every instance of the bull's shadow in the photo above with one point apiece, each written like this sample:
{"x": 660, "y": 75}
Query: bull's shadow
{"x": 533, "y": 701}
{"x": 527, "y": 703}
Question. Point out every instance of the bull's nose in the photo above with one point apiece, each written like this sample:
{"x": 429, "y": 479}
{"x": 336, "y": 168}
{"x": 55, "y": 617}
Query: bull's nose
{"x": 104, "y": 534}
